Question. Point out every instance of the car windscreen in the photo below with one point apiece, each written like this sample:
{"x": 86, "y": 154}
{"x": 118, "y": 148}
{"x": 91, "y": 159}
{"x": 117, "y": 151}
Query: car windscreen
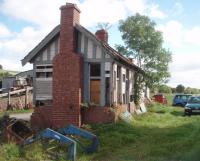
{"x": 194, "y": 100}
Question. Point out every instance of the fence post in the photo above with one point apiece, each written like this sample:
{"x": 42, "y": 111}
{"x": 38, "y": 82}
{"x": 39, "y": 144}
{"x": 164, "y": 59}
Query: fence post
{"x": 8, "y": 105}
{"x": 26, "y": 98}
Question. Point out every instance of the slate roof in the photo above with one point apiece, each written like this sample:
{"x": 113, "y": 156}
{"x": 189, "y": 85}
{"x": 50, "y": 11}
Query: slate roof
{"x": 41, "y": 45}
{"x": 56, "y": 31}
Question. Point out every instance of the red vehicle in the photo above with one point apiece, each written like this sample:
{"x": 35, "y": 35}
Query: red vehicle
{"x": 160, "y": 98}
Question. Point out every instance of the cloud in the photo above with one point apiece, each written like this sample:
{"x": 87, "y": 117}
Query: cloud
{"x": 177, "y": 9}
{"x": 44, "y": 15}
{"x": 13, "y": 49}
{"x": 184, "y": 43}
{"x": 172, "y": 32}
{"x": 4, "y": 31}
{"x": 134, "y": 6}
{"x": 22, "y": 42}
{"x": 14, "y": 65}
{"x": 176, "y": 35}
{"x": 192, "y": 36}
{"x": 185, "y": 69}
{"x": 156, "y": 12}
{"x": 94, "y": 11}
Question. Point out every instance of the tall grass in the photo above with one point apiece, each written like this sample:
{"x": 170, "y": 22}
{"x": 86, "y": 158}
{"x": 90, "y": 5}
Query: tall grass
{"x": 162, "y": 134}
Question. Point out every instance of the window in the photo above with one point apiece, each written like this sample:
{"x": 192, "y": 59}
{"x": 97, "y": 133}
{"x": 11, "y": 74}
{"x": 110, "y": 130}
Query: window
{"x": 40, "y": 67}
{"x": 40, "y": 75}
{"x": 48, "y": 74}
{"x": 124, "y": 99}
{"x": 43, "y": 74}
{"x": 118, "y": 72}
{"x": 95, "y": 70}
{"x": 115, "y": 80}
{"x": 48, "y": 67}
{"x": 44, "y": 67}
{"x": 124, "y": 78}
{"x": 127, "y": 74}
{"x": 77, "y": 39}
{"x": 44, "y": 71}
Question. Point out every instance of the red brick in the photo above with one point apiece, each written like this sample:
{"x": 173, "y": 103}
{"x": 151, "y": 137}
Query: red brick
{"x": 102, "y": 35}
{"x": 67, "y": 73}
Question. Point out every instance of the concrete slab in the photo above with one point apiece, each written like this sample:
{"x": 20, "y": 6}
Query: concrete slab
{"x": 23, "y": 116}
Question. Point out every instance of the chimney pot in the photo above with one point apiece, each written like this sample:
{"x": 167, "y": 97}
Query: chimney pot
{"x": 102, "y": 35}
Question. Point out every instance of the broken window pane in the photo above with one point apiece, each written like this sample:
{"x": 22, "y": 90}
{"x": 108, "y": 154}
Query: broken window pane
{"x": 49, "y": 74}
{"x": 95, "y": 70}
{"x": 40, "y": 75}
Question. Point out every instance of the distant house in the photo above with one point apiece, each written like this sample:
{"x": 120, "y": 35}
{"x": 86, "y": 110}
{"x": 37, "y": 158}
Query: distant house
{"x": 73, "y": 66}
{"x": 20, "y": 79}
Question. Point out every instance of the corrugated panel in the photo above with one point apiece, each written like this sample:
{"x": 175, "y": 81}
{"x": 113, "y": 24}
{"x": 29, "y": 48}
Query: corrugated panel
{"x": 44, "y": 53}
{"x": 99, "y": 53}
{"x": 44, "y": 87}
{"x": 52, "y": 50}
{"x": 90, "y": 49}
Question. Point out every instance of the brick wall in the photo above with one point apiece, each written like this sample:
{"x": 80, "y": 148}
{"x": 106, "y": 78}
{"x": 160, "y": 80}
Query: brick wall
{"x": 42, "y": 117}
{"x": 67, "y": 72}
{"x": 98, "y": 115}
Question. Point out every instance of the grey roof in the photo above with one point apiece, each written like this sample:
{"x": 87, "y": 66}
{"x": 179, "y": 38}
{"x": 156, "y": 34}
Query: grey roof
{"x": 25, "y": 73}
{"x": 41, "y": 45}
{"x": 56, "y": 31}
{"x": 118, "y": 56}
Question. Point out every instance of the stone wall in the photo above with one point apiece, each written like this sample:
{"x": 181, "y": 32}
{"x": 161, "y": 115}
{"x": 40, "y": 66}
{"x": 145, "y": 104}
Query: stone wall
{"x": 16, "y": 102}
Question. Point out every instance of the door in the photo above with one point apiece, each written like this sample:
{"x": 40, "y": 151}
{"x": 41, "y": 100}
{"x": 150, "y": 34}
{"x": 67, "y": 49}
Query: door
{"x": 95, "y": 91}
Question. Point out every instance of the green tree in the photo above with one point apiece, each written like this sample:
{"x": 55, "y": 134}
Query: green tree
{"x": 188, "y": 90}
{"x": 180, "y": 88}
{"x": 173, "y": 90}
{"x": 4, "y": 74}
{"x": 164, "y": 89}
{"x": 144, "y": 43}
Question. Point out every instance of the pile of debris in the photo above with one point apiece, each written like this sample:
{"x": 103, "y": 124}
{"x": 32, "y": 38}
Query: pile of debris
{"x": 16, "y": 130}
{"x": 19, "y": 131}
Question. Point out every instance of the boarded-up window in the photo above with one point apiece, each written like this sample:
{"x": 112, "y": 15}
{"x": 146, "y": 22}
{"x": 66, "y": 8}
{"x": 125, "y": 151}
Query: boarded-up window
{"x": 90, "y": 49}
{"x": 52, "y": 51}
{"x": 45, "y": 54}
{"x": 98, "y": 52}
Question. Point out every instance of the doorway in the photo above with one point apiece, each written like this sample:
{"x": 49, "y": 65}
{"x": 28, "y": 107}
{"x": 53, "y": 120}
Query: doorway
{"x": 95, "y": 91}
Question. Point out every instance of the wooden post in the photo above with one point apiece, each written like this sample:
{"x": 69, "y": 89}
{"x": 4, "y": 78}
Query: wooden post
{"x": 26, "y": 98}
{"x": 8, "y": 105}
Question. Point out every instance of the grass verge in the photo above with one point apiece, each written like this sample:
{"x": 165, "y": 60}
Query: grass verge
{"x": 162, "y": 134}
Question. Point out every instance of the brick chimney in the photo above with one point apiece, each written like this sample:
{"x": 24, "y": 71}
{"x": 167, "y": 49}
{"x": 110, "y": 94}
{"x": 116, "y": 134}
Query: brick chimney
{"x": 67, "y": 72}
{"x": 102, "y": 35}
